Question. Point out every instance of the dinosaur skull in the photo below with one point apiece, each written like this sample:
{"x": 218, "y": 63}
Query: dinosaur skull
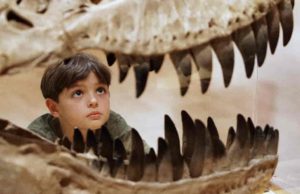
{"x": 141, "y": 33}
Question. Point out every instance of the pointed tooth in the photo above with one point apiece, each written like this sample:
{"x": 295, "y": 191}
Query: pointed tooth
{"x": 230, "y": 137}
{"x": 136, "y": 162}
{"x": 197, "y": 160}
{"x": 110, "y": 58}
{"x": 269, "y": 140}
{"x": 150, "y": 173}
{"x": 273, "y": 144}
{"x": 258, "y": 147}
{"x": 119, "y": 155}
{"x": 251, "y": 130}
{"x": 91, "y": 142}
{"x": 165, "y": 168}
{"x": 188, "y": 136}
{"x": 285, "y": 9}
{"x": 183, "y": 67}
{"x": 105, "y": 151}
{"x": 141, "y": 71}
{"x": 273, "y": 28}
{"x": 3, "y": 124}
{"x": 242, "y": 133}
{"x": 124, "y": 66}
{"x": 239, "y": 152}
{"x": 260, "y": 30}
{"x": 223, "y": 48}
{"x": 245, "y": 40}
{"x": 172, "y": 139}
{"x": 119, "y": 150}
{"x": 266, "y": 130}
{"x": 78, "y": 143}
{"x": 218, "y": 146}
{"x": 105, "y": 145}
{"x": 212, "y": 128}
{"x": 156, "y": 62}
{"x": 66, "y": 142}
{"x": 202, "y": 56}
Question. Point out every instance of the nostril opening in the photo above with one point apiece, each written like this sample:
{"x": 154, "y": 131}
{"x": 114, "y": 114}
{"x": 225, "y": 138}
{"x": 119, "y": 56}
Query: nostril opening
{"x": 95, "y": 1}
{"x": 18, "y": 21}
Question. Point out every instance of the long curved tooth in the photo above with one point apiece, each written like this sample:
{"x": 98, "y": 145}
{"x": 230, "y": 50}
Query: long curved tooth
{"x": 196, "y": 164}
{"x": 119, "y": 155}
{"x": 202, "y": 56}
{"x": 260, "y": 30}
{"x": 183, "y": 67}
{"x": 245, "y": 40}
{"x": 78, "y": 142}
{"x": 135, "y": 168}
{"x": 91, "y": 142}
{"x": 156, "y": 63}
{"x": 218, "y": 146}
{"x": 188, "y": 136}
{"x": 285, "y": 9}
{"x": 141, "y": 71}
{"x": 223, "y": 48}
{"x": 150, "y": 172}
{"x": 230, "y": 137}
{"x": 124, "y": 66}
{"x": 66, "y": 142}
{"x": 273, "y": 28}
{"x": 165, "y": 168}
{"x": 110, "y": 58}
{"x": 172, "y": 139}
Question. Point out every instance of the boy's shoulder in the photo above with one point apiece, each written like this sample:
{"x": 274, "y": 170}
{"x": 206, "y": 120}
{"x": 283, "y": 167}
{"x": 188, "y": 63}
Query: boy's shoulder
{"x": 45, "y": 125}
{"x": 117, "y": 125}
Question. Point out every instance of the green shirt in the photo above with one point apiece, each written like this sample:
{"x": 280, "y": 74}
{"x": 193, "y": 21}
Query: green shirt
{"x": 48, "y": 127}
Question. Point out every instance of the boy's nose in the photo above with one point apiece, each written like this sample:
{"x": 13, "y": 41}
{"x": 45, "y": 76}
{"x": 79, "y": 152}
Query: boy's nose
{"x": 93, "y": 102}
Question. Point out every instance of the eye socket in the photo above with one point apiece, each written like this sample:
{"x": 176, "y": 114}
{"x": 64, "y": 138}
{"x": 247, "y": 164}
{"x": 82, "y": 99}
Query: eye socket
{"x": 77, "y": 93}
{"x": 101, "y": 90}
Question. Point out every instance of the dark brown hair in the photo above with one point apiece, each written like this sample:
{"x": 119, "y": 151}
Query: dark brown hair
{"x": 65, "y": 73}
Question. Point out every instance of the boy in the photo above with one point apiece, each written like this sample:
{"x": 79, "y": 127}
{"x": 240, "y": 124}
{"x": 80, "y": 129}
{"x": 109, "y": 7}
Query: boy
{"x": 76, "y": 92}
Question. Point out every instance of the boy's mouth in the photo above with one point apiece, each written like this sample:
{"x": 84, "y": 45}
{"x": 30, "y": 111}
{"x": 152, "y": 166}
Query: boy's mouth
{"x": 94, "y": 115}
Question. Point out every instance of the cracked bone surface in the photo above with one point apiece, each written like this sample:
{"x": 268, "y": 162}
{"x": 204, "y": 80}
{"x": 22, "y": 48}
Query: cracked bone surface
{"x": 140, "y": 33}
{"x": 246, "y": 165}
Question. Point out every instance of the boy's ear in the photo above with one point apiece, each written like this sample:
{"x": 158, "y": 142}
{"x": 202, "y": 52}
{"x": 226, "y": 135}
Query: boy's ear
{"x": 52, "y": 107}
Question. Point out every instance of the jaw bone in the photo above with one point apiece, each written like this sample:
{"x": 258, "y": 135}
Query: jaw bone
{"x": 142, "y": 38}
{"x": 245, "y": 165}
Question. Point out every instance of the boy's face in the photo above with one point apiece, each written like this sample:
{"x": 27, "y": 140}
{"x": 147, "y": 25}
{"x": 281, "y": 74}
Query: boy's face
{"x": 86, "y": 105}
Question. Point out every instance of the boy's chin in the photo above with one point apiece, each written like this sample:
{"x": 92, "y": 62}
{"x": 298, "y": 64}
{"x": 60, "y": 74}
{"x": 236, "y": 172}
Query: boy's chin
{"x": 95, "y": 126}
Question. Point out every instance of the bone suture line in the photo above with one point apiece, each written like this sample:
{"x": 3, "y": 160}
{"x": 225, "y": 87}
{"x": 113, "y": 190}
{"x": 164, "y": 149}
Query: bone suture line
{"x": 202, "y": 152}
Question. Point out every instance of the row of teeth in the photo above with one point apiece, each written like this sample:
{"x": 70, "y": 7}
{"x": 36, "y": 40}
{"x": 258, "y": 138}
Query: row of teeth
{"x": 203, "y": 152}
{"x": 251, "y": 41}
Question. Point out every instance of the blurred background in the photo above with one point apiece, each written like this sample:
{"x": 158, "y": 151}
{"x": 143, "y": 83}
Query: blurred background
{"x": 271, "y": 97}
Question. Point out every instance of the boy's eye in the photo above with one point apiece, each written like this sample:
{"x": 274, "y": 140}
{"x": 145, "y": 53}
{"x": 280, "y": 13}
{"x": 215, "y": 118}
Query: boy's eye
{"x": 101, "y": 90}
{"x": 77, "y": 93}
